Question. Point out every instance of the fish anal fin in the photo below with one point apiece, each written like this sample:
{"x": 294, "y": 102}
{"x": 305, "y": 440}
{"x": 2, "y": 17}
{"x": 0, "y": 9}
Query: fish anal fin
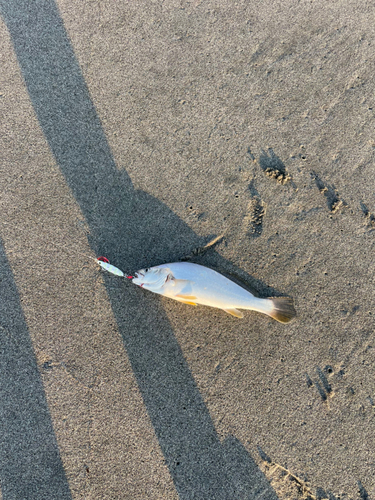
{"x": 186, "y": 297}
{"x": 234, "y": 312}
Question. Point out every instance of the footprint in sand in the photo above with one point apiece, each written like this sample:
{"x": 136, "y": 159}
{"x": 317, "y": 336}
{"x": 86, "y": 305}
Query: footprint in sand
{"x": 273, "y": 167}
{"x": 253, "y": 219}
{"x": 333, "y": 200}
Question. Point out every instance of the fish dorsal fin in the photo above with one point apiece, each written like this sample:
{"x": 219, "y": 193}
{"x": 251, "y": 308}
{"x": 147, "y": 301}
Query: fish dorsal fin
{"x": 188, "y": 302}
{"x": 234, "y": 312}
{"x": 186, "y": 297}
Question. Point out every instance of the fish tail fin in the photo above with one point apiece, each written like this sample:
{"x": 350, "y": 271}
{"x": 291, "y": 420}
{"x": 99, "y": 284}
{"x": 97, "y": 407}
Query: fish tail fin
{"x": 279, "y": 308}
{"x": 282, "y": 309}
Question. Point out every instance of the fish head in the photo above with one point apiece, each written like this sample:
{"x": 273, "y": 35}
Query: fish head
{"x": 152, "y": 277}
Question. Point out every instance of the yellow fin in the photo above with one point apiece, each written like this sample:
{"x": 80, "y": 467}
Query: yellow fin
{"x": 187, "y": 302}
{"x": 234, "y": 312}
{"x": 186, "y": 297}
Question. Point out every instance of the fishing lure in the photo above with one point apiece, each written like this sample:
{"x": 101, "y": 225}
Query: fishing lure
{"x": 104, "y": 264}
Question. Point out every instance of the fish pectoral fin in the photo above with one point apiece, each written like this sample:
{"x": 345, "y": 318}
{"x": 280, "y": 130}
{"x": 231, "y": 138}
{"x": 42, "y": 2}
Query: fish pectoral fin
{"x": 234, "y": 312}
{"x": 175, "y": 282}
{"x": 186, "y": 297}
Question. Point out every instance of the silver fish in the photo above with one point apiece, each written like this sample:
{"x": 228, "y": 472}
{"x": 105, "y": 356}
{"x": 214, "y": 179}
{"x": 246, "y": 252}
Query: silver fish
{"x": 194, "y": 284}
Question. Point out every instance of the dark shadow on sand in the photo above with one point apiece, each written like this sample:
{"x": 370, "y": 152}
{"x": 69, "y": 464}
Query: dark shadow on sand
{"x": 30, "y": 463}
{"x": 133, "y": 230}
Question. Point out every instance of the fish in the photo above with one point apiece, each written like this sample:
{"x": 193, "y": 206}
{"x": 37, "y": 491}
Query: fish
{"x": 194, "y": 284}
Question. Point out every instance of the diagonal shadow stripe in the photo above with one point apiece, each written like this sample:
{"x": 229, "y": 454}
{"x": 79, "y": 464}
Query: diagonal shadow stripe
{"x": 135, "y": 230}
{"x": 30, "y": 464}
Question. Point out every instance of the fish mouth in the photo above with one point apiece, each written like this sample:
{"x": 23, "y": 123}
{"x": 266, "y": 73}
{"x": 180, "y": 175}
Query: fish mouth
{"x": 138, "y": 277}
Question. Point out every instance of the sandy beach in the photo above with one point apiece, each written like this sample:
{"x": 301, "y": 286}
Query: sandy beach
{"x": 141, "y": 131}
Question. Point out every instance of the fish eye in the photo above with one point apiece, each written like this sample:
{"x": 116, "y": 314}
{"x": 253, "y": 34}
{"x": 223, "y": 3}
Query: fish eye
{"x": 147, "y": 269}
